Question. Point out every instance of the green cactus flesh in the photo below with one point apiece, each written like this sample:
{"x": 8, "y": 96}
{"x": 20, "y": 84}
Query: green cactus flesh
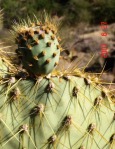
{"x": 56, "y": 113}
{"x": 38, "y": 48}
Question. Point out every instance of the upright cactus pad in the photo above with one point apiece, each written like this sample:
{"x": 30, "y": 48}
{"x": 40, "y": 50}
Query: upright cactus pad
{"x": 60, "y": 112}
{"x": 38, "y": 47}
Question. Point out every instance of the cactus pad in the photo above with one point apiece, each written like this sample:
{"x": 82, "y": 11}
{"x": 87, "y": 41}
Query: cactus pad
{"x": 60, "y": 112}
{"x": 38, "y": 47}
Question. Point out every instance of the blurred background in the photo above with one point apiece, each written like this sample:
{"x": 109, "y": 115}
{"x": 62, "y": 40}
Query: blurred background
{"x": 80, "y": 29}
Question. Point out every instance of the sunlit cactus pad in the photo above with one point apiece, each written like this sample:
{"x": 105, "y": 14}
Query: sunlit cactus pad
{"x": 58, "y": 112}
{"x": 38, "y": 46}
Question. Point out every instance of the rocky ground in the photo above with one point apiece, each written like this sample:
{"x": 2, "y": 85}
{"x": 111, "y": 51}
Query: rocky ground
{"x": 86, "y": 43}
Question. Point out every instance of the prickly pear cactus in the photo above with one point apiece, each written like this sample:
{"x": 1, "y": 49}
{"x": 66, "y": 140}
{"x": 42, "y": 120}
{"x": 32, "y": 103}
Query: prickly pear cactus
{"x": 57, "y": 112}
{"x": 61, "y": 110}
{"x": 38, "y": 46}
